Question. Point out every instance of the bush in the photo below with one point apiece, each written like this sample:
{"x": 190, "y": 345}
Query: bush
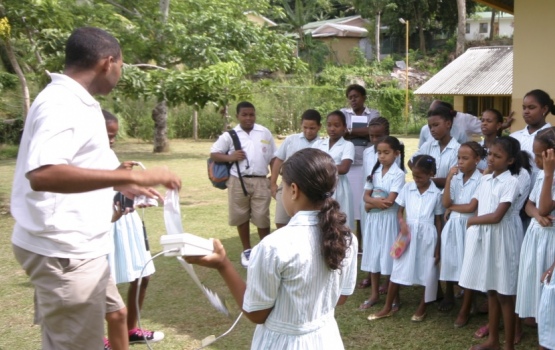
{"x": 10, "y": 131}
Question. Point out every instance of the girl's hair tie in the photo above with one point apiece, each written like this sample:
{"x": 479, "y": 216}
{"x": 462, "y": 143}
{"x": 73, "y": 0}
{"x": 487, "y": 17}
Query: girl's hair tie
{"x": 327, "y": 195}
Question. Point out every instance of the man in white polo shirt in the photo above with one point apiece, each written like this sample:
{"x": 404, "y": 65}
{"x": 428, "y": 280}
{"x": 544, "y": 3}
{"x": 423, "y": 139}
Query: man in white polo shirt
{"x": 62, "y": 194}
{"x": 254, "y": 157}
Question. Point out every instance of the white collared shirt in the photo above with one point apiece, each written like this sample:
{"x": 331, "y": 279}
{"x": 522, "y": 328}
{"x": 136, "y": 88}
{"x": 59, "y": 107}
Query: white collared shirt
{"x": 462, "y": 192}
{"x": 495, "y": 190}
{"x": 393, "y": 181}
{"x": 258, "y": 145}
{"x": 420, "y": 207}
{"x": 340, "y": 151}
{"x": 64, "y": 126}
{"x": 292, "y": 144}
{"x": 445, "y": 159}
{"x": 464, "y": 126}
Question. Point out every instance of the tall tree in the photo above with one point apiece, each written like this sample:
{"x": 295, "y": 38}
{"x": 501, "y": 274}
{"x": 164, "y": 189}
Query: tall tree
{"x": 461, "y": 27}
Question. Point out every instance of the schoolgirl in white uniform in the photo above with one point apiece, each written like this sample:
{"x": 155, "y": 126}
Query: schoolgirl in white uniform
{"x": 461, "y": 183}
{"x": 492, "y": 242}
{"x": 421, "y": 200}
{"x": 538, "y": 247}
{"x": 342, "y": 152}
{"x": 382, "y": 226}
{"x": 301, "y": 272}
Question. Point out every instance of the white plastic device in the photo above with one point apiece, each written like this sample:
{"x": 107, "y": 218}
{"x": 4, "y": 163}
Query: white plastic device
{"x": 188, "y": 245}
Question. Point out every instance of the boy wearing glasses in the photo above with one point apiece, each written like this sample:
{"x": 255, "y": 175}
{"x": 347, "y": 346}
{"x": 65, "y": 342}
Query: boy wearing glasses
{"x": 254, "y": 157}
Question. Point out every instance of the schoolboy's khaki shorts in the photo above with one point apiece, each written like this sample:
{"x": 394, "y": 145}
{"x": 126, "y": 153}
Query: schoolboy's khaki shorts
{"x": 254, "y": 207}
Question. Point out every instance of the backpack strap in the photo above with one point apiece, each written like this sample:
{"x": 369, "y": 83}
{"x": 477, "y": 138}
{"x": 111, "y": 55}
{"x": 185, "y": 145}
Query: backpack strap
{"x": 237, "y": 146}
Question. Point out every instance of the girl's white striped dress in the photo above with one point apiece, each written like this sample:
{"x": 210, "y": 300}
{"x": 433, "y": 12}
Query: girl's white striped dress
{"x": 453, "y": 233}
{"x": 536, "y": 256}
{"x": 524, "y": 184}
{"x": 340, "y": 151}
{"x": 382, "y": 226}
{"x": 287, "y": 273}
{"x": 490, "y": 252}
{"x": 413, "y": 266}
{"x": 130, "y": 254}
{"x": 369, "y": 159}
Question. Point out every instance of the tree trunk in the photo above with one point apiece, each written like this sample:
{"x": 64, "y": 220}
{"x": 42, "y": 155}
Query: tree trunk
{"x": 461, "y": 27}
{"x": 421, "y": 37}
{"x": 160, "y": 112}
{"x": 377, "y": 40}
{"x": 492, "y": 23}
{"x": 195, "y": 124}
{"x": 160, "y": 117}
{"x": 22, "y": 81}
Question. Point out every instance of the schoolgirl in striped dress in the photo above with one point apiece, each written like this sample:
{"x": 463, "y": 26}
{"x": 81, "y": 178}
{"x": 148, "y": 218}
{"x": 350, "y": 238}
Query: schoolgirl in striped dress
{"x": 421, "y": 200}
{"x": 377, "y": 130}
{"x": 343, "y": 153}
{"x": 538, "y": 247}
{"x": 491, "y": 243}
{"x": 444, "y": 147}
{"x": 382, "y": 226}
{"x": 462, "y": 181}
{"x": 301, "y": 272}
{"x": 546, "y": 313}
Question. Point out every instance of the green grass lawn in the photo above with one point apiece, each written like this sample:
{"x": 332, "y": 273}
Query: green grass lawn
{"x": 177, "y": 307}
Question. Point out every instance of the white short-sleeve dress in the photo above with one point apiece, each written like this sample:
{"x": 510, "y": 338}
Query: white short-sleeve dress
{"x": 287, "y": 273}
{"x": 130, "y": 253}
{"x": 340, "y": 151}
{"x": 491, "y": 251}
{"x": 453, "y": 233}
{"x": 536, "y": 256}
{"x": 420, "y": 211}
{"x": 382, "y": 226}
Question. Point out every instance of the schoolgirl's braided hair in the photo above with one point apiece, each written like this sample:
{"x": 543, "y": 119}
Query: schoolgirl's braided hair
{"x": 395, "y": 145}
{"x": 425, "y": 162}
{"x": 547, "y": 137}
{"x": 315, "y": 174}
{"x": 380, "y": 121}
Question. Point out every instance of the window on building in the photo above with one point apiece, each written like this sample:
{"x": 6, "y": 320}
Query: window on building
{"x": 467, "y": 28}
{"x": 483, "y": 28}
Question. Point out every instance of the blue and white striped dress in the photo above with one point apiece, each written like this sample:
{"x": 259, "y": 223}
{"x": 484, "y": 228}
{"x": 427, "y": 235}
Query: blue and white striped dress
{"x": 420, "y": 209}
{"x": 130, "y": 254}
{"x": 490, "y": 252}
{"x": 453, "y": 233}
{"x": 445, "y": 159}
{"x": 524, "y": 186}
{"x": 287, "y": 273}
{"x": 536, "y": 256}
{"x": 340, "y": 151}
{"x": 369, "y": 159}
{"x": 382, "y": 227}
{"x": 526, "y": 140}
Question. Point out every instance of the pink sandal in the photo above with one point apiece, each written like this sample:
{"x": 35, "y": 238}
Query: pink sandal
{"x": 482, "y": 332}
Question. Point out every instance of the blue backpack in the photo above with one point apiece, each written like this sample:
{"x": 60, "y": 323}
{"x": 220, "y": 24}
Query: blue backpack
{"x": 218, "y": 172}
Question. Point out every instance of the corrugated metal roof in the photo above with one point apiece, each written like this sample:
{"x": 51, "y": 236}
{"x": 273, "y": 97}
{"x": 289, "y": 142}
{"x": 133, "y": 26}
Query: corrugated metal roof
{"x": 479, "y": 71}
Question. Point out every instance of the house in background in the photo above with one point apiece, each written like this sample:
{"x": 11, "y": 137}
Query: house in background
{"x": 341, "y": 36}
{"x": 478, "y": 26}
{"x": 479, "y": 79}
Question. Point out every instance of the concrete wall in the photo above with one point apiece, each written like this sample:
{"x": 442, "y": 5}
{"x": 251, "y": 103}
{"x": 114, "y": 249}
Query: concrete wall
{"x": 533, "y": 53}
